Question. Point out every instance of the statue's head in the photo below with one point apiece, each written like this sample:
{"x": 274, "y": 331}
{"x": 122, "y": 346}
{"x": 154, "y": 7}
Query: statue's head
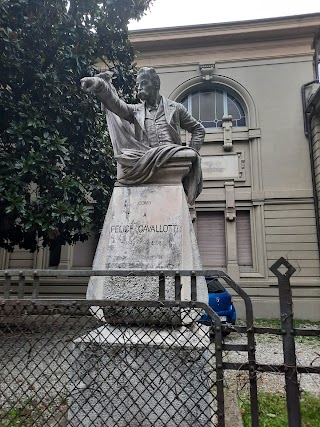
{"x": 148, "y": 83}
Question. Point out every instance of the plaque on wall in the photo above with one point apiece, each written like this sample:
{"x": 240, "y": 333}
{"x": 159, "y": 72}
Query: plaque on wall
{"x": 226, "y": 166}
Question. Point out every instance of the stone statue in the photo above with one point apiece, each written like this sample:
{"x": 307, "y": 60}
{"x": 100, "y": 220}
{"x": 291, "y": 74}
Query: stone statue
{"x": 146, "y": 135}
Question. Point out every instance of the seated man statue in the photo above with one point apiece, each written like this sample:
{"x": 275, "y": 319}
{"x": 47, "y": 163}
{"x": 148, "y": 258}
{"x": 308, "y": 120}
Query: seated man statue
{"x": 154, "y": 138}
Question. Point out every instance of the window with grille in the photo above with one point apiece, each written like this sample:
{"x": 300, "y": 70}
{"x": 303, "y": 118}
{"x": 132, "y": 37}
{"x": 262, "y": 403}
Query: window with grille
{"x": 244, "y": 244}
{"x": 209, "y": 106}
{"x": 211, "y": 236}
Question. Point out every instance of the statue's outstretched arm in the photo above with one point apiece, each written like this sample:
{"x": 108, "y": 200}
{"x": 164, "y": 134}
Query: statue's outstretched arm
{"x": 106, "y": 93}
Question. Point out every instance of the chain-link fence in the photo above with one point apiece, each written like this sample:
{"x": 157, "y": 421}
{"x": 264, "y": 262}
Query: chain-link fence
{"x": 62, "y": 366}
{"x": 124, "y": 363}
{"x": 76, "y": 362}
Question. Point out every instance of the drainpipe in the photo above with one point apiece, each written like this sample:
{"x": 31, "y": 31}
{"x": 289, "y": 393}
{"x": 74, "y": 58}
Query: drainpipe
{"x": 315, "y": 46}
{"x": 307, "y": 118}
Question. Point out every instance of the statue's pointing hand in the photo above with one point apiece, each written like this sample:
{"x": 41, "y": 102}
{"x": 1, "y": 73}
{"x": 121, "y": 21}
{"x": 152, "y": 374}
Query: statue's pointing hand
{"x": 92, "y": 84}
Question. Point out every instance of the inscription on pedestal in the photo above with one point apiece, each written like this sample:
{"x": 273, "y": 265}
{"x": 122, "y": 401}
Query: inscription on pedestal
{"x": 139, "y": 228}
{"x": 145, "y": 231}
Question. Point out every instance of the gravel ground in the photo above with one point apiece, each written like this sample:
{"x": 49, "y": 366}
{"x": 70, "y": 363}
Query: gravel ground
{"x": 269, "y": 351}
{"x": 35, "y": 360}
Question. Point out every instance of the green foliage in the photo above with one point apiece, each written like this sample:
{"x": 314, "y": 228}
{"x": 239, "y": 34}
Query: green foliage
{"x": 273, "y": 410}
{"x": 55, "y": 155}
{"x": 30, "y": 413}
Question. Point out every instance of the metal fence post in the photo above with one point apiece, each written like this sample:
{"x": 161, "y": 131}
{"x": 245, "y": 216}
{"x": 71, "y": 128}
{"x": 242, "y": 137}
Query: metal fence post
{"x": 219, "y": 371}
{"x": 287, "y": 329}
{"x": 252, "y": 367}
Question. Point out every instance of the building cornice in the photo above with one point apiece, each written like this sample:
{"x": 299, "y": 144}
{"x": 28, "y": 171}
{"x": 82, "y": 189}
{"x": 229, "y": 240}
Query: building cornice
{"x": 291, "y": 27}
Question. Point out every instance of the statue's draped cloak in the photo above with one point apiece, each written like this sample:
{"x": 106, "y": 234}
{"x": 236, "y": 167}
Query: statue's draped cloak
{"x": 139, "y": 162}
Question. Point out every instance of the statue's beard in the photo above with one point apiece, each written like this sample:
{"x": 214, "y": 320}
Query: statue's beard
{"x": 144, "y": 96}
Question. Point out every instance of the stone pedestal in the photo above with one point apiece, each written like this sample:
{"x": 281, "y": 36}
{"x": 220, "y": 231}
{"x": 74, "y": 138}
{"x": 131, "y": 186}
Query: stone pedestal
{"x": 141, "y": 377}
{"x": 147, "y": 375}
{"x": 146, "y": 227}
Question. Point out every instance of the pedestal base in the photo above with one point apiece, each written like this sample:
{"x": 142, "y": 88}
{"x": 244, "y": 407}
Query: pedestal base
{"x": 142, "y": 377}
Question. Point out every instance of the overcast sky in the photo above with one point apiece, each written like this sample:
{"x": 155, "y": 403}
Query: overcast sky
{"x": 170, "y": 13}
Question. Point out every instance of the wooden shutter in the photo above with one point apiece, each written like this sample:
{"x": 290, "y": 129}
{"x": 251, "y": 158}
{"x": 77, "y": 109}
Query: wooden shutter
{"x": 211, "y": 237}
{"x": 244, "y": 246}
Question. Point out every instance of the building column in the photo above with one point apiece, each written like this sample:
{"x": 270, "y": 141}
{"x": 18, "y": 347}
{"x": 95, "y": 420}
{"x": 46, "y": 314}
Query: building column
{"x": 231, "y": 233}
{"x": 65, "y": 257}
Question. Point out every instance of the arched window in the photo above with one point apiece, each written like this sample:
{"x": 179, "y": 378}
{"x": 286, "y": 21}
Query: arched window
{"x": 209, "y": 106}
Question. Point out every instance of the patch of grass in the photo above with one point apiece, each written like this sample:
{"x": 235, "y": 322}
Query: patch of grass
{"x": 267, "y": 323}
{"x": 276, "y": 324}
{"x": 22, "y": 415}
{"x": 31, "y": 413}
{"x": 273, "y": 410}
{"x": 310, "y": 410}
{"x": 306, "y": 324}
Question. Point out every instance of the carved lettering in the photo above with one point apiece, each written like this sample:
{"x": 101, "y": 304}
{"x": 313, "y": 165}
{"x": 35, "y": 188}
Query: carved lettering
{"x": 140, "y": 228}
{"x": 121, "y": 228}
